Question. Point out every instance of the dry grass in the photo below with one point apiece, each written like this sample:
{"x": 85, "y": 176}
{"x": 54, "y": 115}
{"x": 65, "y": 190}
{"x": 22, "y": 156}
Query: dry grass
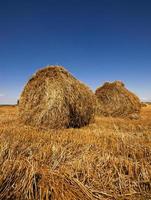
{"x": 109, "y": 159}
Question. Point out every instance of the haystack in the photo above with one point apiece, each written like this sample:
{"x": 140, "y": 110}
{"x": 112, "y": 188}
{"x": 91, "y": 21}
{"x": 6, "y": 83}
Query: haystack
{"x": 116, "y": 101}
{"x": 143, "y": 104}
{"x": 53, "y": 98}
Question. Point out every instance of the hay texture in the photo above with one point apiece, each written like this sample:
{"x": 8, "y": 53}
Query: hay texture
{"x": 143, "y": 104}
{"x": 54, "y": 99}
{"x": 116, "y": 101}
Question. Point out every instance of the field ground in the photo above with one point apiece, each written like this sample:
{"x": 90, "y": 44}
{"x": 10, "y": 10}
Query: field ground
{"x": 109, "y": 159}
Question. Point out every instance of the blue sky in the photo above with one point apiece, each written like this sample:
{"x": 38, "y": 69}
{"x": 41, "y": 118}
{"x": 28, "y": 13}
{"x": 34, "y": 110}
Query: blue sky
{"x": 96, "y": 40}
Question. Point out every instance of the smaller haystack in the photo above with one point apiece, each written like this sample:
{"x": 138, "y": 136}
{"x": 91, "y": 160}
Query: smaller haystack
{"x": 143, "y": 104}
{"x": 116, "y": 101}
{"x": 54, "y": 99}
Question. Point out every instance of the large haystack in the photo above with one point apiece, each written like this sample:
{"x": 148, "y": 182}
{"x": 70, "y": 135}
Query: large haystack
{"x": 53, "y": 98}
{"x": 116, "y": 101}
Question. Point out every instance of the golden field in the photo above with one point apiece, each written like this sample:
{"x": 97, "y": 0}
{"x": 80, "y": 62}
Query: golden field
{"x": 109, "y": 159}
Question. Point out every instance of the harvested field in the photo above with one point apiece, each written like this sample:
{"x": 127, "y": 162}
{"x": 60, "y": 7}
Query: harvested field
{"x": 109, "y": 159}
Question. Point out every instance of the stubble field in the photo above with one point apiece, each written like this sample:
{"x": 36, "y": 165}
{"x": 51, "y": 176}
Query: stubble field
{"x": 109, "y": 159}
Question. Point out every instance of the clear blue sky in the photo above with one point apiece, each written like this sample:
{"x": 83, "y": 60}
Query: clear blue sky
{"x": 96, "y": 40}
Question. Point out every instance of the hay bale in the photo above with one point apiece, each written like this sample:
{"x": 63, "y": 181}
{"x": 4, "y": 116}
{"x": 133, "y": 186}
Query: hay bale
{"x": 116, "y": 101}
{"x": 53, "y": 98}
{"x": 143, "y": 104}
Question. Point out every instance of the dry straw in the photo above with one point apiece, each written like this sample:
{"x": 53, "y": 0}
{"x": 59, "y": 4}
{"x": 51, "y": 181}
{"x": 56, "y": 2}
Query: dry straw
{"x": 143, "y": 104}
{"x": 53, "y": 98}
{"x": 116, "y": 101}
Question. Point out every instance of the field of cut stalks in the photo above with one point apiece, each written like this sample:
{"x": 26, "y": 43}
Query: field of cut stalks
{"x": 107, "y": 160}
